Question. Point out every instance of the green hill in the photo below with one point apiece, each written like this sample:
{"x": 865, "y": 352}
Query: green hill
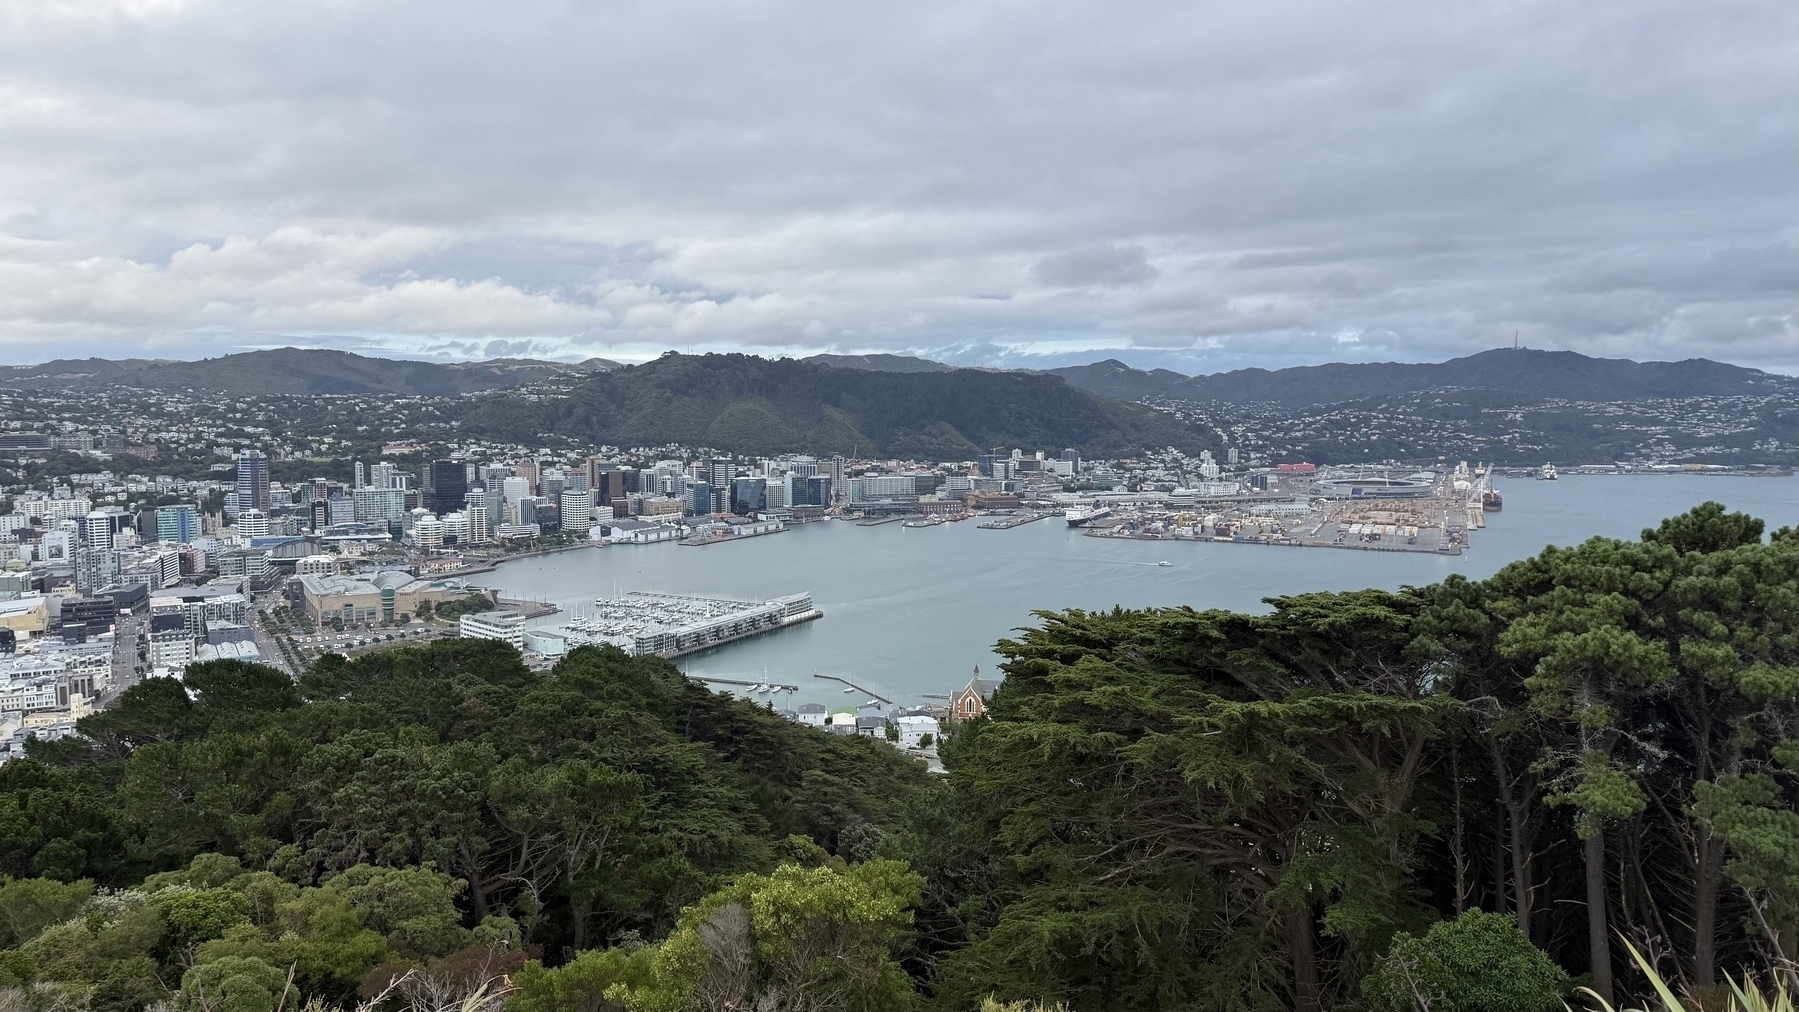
{"x": 758, "y": 406}
{"x": 293, "y": 371}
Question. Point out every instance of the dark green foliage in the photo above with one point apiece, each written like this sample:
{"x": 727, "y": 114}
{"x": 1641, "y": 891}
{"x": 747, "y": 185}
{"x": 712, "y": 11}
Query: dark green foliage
{"x": 450, "y": 611}
{"x": 752, "y": 405}
{"x": 1563, "y": 374}
{"x": 290, "y": 371}
{"x": 1174, "y": 808}
{"x": 598, "y": 798}
{"x": 1479, "y": 962}
{"x": 1706, "y": 528}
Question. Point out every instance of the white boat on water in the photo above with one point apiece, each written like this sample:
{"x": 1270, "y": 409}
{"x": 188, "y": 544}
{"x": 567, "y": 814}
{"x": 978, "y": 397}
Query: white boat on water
{"x": 1081, "y": 517}
{"x": 1547, "y": 473}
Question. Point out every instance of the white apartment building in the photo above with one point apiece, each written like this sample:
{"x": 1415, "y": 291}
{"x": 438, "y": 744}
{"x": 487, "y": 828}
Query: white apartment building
{"x": 506, "y": 626}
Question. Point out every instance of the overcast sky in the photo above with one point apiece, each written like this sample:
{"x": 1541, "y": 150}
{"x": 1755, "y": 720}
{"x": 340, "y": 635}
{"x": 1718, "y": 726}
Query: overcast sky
{"x": 1197, "y": 185}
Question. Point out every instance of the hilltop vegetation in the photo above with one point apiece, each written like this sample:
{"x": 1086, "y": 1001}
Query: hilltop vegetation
{"x": 1351, "y": 801}
{"x": 1565, "y": 375}
{"x": 293, "y": 371}
{"x": 758, "y": 406}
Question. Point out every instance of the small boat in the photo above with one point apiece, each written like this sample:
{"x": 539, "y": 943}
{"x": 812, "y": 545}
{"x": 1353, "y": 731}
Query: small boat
{"x": 1164, "y": 562}
{"x": 1548, "y": 473}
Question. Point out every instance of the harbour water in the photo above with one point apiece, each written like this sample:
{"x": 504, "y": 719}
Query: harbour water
{"x": 910, "y": 612}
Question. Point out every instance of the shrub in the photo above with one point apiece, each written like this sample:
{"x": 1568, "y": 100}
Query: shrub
{"x": 1479, "y": 962}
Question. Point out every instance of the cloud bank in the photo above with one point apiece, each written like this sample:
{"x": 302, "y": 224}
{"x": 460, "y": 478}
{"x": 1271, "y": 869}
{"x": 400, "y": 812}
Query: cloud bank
{"x": 1194, "y": 185}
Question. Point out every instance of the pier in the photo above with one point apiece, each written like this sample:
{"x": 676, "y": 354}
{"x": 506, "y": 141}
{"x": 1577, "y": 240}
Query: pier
{"x": 670, "y": 625}
{"x": 1007, "y": 523}
{"x": 871, "y": 693}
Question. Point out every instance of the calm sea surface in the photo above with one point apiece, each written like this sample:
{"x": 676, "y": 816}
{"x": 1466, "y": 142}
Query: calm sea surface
{"x": 910, "y": 612}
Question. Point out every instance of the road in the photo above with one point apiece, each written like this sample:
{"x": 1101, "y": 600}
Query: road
{"x": 127, "y": 670}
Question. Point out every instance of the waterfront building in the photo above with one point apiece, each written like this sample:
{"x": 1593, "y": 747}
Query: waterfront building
{"x": 577, "y": 510}
{"x": 818, "y": 491}
{"x": 749, "y": 495}
{"x": 506, "y": 626}
{"x": 376, "y": 598}
{"x": 428, "y": 532}
{"x": 252, "y": 480}
{"x": 478, "y": 526}
{"x": 699, "y": 498}
{"x": 669, "y": 625}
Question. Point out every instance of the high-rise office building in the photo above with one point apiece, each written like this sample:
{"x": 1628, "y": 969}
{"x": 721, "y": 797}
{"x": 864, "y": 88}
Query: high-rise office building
{"x": 720, "y": 471}
{"x": 178, "y": 524}
{"x": 382, "y": 474}
{"x": 476, "y": 516}
{"x": 252, "y": 480}
{"x": 374, "y": 504}
{"x": 749, "y": 495}
{"x": 96, "y": 530}
{"x": 358, "y": 475}
{"x": 1072, "y": 457}
{"x": 446, "y": 486}
{"x": 577, "y": 510}
{"x": 699, "y": 498}
{"x": 818, "y": 491}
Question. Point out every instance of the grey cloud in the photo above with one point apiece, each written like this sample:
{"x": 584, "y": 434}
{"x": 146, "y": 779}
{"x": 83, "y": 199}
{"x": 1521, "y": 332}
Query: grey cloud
{"x": 190, "y": 176}
{"x": 1101, "y": 266}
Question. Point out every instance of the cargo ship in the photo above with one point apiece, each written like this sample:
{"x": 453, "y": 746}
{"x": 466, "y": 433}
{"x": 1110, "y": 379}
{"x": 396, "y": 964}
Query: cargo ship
{"x": 1083, "y": 517}
{"x": 1492, "y": 501}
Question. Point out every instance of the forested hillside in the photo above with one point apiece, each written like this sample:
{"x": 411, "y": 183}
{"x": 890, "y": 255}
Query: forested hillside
{"x": 757, "y": 406}
{"x": 293, "y": 371}
{"x": 1562, "y": 374}
{"x": 1467, "y": 795}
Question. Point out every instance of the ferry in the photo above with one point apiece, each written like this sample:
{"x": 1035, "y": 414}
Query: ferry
{"x": 1082, "y": 517}
{"x": 1492, "y": 501}
{"x": 1547, "y": 473}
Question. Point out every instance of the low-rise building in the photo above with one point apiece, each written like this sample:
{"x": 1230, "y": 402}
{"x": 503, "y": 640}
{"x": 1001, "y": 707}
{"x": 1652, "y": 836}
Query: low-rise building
{"x": 971, "y": 702}
{"x": 316, "y": 565}
{"x": 380, "y": 597}
{"x": 506, "y": 626}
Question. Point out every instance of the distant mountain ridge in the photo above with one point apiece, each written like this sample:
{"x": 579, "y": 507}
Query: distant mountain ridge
{"x": 295, "y": 371}
{"x": 1560, "y": 374}
{"x": 759, "y": 406}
